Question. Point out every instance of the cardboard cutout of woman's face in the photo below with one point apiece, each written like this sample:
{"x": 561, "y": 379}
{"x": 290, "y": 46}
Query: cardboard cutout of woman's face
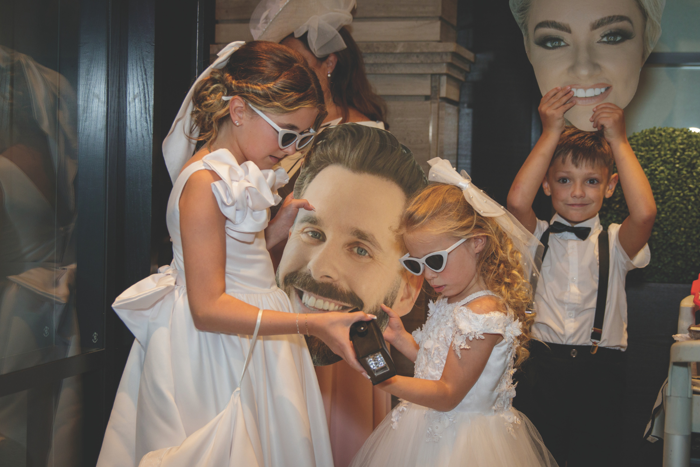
{"x": 594, "y": 46}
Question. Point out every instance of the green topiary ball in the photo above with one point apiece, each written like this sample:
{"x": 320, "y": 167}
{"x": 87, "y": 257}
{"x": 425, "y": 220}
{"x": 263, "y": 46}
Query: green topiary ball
{"x": 670, "y": 158}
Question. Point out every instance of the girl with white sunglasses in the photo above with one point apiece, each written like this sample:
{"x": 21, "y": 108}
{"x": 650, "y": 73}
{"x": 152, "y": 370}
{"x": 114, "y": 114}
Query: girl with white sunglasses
{"x": 457, "y": 409}
{"x": 219, "y": 372}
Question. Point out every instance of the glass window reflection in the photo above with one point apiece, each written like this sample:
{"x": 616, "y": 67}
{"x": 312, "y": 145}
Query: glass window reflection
{"x": 38, "y": 170}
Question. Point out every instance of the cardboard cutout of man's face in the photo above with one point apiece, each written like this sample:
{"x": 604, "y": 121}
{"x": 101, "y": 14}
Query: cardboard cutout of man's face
{"x": 344, "y": 256}
{"x": 594, "y": 46}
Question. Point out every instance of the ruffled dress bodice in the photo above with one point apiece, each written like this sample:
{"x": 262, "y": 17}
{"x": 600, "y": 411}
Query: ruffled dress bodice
{"x": 244, "y": 194}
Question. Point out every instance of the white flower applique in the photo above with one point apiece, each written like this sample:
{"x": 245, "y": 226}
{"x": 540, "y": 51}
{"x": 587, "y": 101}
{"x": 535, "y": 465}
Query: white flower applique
{"x": 470, "y": 326}
{"x": 438, "y": 423}
{"x": 396, "y": 414}
{"x": 434, "y": 340}
{"x": 506, "y": 388}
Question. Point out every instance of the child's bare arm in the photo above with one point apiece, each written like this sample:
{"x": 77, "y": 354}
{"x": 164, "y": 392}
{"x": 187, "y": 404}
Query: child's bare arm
{"x": 522, "y": 193}
{"x": 396, "y": 335}
{"x": 458, "y": 376}
{"x": 636, "y": 229}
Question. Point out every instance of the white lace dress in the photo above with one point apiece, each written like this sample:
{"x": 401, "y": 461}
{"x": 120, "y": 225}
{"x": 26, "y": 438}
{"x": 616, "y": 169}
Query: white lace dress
{"x": 484, "y": 429}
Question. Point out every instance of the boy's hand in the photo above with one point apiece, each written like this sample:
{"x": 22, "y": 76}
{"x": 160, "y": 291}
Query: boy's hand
{"x": 611, "y": 120}
{"x": 552, "y": 108}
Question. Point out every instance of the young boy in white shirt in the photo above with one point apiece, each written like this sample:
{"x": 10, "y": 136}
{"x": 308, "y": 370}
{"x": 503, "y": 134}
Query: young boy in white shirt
{"x": 572, "y": 387}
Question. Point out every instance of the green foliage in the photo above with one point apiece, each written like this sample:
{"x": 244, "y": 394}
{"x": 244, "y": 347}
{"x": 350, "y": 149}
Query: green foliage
{"x": 671, "y": 160}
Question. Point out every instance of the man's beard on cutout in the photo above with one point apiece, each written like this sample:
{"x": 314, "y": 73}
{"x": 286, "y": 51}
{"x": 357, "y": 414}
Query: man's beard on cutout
{"x": 321, "y": 354}
{"x": 304, "y": 281}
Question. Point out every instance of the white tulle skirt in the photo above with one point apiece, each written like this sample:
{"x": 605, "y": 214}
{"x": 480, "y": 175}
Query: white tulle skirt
{"x": 424, "y": 437}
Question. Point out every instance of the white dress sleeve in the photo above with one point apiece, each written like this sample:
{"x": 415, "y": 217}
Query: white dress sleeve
{"x": 244, "y": 193}
{"x": 470, "y": 326}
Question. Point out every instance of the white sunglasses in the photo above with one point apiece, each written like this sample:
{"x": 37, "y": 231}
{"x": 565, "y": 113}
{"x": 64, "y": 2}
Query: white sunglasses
{"x": 434, "y": 261}
{"x": 285, "y": 138}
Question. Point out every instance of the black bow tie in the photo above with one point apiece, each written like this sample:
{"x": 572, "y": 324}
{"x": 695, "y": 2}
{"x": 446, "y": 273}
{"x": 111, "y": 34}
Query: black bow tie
{"x": 580, "y": 232}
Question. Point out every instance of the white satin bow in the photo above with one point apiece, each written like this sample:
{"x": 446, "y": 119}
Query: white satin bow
{"x": 244, "y": 193}
{"x": 441, "y": 171}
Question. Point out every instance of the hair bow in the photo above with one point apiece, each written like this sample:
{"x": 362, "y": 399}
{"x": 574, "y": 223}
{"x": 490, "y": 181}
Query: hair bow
{"x": 530, "y": 248}
{"x": 177, "y": 147}
{"x": 441, "y": 171}
{"x": 273, "y": 20}
{"x": 323, "y": 36}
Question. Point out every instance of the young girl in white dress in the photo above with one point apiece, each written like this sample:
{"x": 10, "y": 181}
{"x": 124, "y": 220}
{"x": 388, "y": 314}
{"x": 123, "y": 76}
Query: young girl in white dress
{"x": 457, "y": 409}
{"x": 185, "y": 398}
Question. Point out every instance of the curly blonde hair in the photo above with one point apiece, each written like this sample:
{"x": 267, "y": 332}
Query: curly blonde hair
{"x": 442, "y": 209}
{"x": 271, "y": 77}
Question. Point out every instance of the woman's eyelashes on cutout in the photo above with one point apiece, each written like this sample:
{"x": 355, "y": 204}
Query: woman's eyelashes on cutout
{"x": 617, "y": 36}
{"x": 550, "y": 42}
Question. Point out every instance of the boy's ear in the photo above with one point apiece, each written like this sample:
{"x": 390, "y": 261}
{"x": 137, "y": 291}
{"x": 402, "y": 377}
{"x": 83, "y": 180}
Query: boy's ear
{"x": 408, "y": 293}
{"x": 612, "y": 183}
{"x": 545, "y": 186}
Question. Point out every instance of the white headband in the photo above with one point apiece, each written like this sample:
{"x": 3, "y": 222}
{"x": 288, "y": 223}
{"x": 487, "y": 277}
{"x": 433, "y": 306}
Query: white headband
{"x": 530, "y": 248}
{"x": 179, "y": 145}
{"x": 273, "y": 20}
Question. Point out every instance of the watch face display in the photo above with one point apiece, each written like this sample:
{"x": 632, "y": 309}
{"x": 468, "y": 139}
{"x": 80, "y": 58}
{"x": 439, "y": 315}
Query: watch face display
{"x": 377, "y": 364}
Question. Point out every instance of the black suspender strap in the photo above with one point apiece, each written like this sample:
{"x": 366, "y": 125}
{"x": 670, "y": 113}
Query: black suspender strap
{"x": 603, "y": 278}
{"x": 545, "y": 242}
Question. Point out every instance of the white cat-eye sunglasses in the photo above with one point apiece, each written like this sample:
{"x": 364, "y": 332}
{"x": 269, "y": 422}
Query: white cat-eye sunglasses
{"x": 285, "y": 138}
{"x": 434, "y": 261}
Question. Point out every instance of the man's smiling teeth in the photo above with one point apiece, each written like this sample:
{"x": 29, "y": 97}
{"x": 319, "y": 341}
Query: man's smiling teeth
{"x": 319, "y": 303}
{"x": 589, "y": 92}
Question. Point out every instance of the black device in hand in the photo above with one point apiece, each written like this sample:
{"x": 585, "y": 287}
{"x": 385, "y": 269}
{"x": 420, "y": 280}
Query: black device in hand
{"x": 371, "y": 351}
